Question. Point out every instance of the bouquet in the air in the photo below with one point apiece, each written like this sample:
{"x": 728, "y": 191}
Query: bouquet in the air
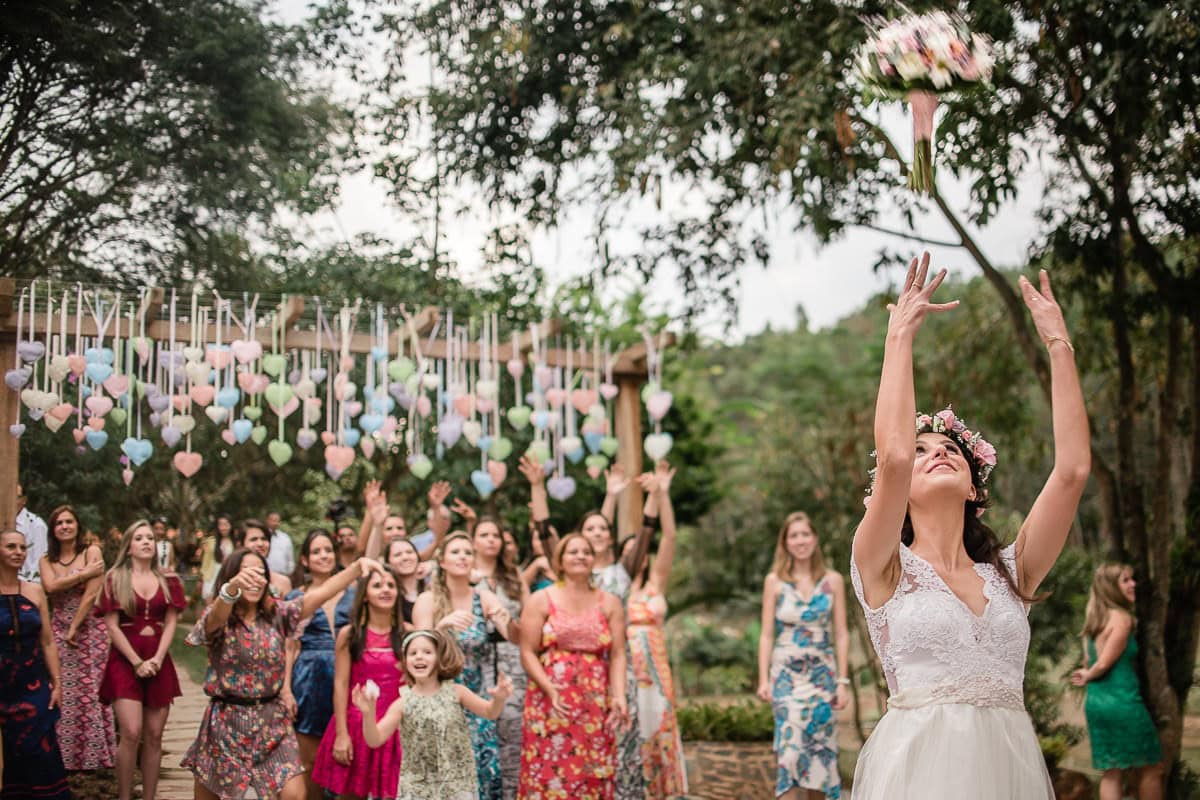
{"x": 918, "y": 57}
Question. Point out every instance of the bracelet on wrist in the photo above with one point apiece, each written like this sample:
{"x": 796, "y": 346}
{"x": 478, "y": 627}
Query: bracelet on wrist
{"x": 843, "y": 681}
{"x": 226, "y": 596}
{"x": 1052, "y": 339}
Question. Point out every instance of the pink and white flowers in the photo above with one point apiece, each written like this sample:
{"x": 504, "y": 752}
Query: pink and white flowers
{"x": 918, "y": 57}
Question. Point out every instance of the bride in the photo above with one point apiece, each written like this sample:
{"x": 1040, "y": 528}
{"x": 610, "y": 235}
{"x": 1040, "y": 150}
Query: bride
{"x": 946, "y": 605}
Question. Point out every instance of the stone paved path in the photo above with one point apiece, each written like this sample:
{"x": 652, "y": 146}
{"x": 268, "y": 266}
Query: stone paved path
{"x": 175, "y": 782}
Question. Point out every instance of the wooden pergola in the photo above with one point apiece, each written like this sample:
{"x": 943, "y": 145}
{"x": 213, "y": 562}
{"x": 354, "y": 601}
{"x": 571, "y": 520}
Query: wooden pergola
{"x": 629, "y": 369}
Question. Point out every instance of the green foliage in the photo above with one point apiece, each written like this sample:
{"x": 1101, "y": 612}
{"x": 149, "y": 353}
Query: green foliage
{"x": 152, "y": 141}
{"x": 709, "y": 660}
{"x": 746, "y": 721}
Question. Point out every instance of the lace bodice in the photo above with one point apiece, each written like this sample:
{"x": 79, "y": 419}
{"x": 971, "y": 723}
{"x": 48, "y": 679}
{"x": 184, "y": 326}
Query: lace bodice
{"x": 935, "y": 649}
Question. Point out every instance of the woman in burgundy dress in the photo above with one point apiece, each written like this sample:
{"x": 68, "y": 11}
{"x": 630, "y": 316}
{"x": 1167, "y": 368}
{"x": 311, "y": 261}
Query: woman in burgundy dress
{"x": 140, "y": 605}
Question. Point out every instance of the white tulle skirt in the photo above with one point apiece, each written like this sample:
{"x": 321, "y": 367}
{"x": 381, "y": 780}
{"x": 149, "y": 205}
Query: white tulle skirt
{"x": 951, "y": 751}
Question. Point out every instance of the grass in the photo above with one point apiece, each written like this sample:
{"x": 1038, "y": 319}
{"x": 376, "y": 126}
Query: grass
{"x": 186, "y": 657}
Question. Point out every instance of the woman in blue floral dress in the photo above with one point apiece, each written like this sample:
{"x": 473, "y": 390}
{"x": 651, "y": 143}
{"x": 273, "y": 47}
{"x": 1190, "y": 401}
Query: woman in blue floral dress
{"x": 454, "y": 605}
{"x": 803, "y": 657}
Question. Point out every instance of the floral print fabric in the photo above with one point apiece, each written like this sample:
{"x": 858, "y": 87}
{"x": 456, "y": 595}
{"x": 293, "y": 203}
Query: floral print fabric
{"x": 573, "y": 757}
{"x": 480, "y": 655}
{"x": 803, "y": 687}
{"x": 240, "y": 747}
{"x": 662, "y": 748}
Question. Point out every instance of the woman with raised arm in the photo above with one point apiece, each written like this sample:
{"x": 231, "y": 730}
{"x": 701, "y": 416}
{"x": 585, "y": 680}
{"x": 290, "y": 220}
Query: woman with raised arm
{"x": 140, "y": 606}
{"x": 945, "y": 603}
{"x": 256, "y": 538}
{"x": 246, "y": 739}
{"x": 803, "y": 661}
{"x": 662, "y": 748}
{"x": 30, "y": 693}
{"x": 72, "y": 574}
{"x": 613, "y": 575}
{"x": 309, "y": 673}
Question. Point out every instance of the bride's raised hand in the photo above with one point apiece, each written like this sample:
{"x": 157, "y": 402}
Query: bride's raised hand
{"x": 1047, "y": 316}
{"x": 916, "y": 298}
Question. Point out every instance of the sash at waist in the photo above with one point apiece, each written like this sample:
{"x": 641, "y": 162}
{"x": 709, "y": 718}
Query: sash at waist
{"x": 979, "y": 693}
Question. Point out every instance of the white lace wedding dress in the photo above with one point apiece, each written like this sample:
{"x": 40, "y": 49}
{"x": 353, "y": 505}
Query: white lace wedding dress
{"x": 956, "y": 725}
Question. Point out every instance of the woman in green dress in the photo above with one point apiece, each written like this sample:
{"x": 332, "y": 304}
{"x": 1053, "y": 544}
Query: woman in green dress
{"x": 1119, "y": 726}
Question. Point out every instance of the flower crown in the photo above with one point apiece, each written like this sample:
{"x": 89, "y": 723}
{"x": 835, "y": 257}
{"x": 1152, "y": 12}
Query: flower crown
{"x": 972, "y": 444}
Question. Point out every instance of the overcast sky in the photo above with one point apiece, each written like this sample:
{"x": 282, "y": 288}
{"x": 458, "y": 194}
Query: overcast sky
{"x": 827, "y": 282}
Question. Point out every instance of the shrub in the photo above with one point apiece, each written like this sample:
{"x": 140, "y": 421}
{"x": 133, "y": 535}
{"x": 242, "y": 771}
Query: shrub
{"x": 741, "y": 722}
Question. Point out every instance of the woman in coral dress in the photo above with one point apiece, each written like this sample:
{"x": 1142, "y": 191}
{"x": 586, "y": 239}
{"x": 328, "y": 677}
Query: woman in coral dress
{"x": 71, "y": 575}
{"x": 575, "y": 701}
{"x": 140, "y": 606}
{"x": 662, "y": 748}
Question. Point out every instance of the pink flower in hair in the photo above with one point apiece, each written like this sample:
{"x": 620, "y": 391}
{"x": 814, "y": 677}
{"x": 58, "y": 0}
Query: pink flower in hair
{"x": 924, "y": 421}
{"x": 985, "y": 453}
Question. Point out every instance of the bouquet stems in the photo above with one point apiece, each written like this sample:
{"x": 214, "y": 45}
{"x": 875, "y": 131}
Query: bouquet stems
{"x": 924, "y": 106}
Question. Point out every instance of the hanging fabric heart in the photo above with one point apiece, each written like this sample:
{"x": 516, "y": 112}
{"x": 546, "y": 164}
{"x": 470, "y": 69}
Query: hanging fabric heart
{"x": 538, "y": 451}
{"x": 306, "y": 438}
{"x": 420, "y": 466}
{"x": 657, "y": 445}
{"x": 259, "y": 434}
{"x": 31, "y": 351}
{"x": 561, "y": 487}
{"x": 482, "y": 483}
{"x": 16, "y": 378}
{"x": 187, "y": 463}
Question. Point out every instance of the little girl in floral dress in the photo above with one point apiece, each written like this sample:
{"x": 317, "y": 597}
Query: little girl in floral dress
{"x": 439, "y": 762}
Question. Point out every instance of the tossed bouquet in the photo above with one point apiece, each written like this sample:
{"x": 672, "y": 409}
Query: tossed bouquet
{"x": 920, "y": 56}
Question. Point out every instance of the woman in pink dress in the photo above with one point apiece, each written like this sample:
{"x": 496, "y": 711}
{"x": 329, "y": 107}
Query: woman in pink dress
{"x": 369, "y": 648}
{"x": 140, "y": 606}
{"x": 575, "y": 701}
{"x": 71, "y": 575}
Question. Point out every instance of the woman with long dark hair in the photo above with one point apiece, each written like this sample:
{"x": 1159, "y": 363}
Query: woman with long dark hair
{"x": 368, "y": 649}
{"x": 72, "y": 574}
{"x": 30, "y": 685}
{"x": 945, "y": 603}
{"x": 311, "y": 656}
{"x": 140, "y": 606}
{"x": 499, "y": 575}
{"x": 214, "y": 550}
{"x": 246, "y": 738}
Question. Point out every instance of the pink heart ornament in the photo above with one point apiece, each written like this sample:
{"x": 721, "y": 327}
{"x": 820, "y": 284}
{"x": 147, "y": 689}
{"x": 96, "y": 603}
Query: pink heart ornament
{"x": 127, "y": 475}
{"x": 608, "y": 390}
{"x": 80, "y": 434}
{"x": 367, "y": 445}
{"x": 424, "y": 406}
{"x": 658, "y": 404}
{"x": 246, "y": 351}
{"x": 583, "y": 400}
{"x": 515, "y": 367}
{"x": 544, "y": 377}
{"x": 187, "y": 463}
{"x": 498, "y": 471}
{"x": 463, "y": 403}
{"x": 339, "y": 457}
{"x": 485, "y": 405}
{"x": 98, "y": 405}
{"x": 327, "y": 438}
{"x": 77, "y": 364}
{"x": 62, "y": 411}
{"x": 218, "y": 357}
{"x": 229, "y": 436}
{"x": 203, "y": 395}
{"x": 180, "y": 401}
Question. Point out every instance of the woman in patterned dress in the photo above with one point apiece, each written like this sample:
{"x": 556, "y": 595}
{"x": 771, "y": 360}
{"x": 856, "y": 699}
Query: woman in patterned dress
{"x": 575, "y": 700}
{"x": 611, "y": 575}
{"x": 309, "y": 673}
{"x": 71, "y": 576}
{"x": 803, "y": 658}
{"x": 140, "y": 606}
{"x": 457, "y": 607}
{"x": 497, "y": 573}
{"x": 246, "y": 739}
{"x": 30, "y": 693}
{"x": 662, "y": 748}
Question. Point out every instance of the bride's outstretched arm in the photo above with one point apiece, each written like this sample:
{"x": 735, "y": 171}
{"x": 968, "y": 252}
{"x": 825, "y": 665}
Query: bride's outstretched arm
{"x": 877, "y": 541}
{"x": 1045, "y": 530}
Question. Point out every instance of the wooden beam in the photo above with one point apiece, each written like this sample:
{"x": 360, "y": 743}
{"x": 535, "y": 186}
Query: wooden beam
{"x": 546, "y": 329}
{"x": 10, "y": 447}
{"x": 629, "y": 453}
{"x": 8, "y": 290}
{"x": 632, "y": 360}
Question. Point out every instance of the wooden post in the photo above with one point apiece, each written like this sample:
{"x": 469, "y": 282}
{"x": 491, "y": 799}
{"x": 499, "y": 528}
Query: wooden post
{"x": 629, "y": 454}
{"x": 10, "y": 447}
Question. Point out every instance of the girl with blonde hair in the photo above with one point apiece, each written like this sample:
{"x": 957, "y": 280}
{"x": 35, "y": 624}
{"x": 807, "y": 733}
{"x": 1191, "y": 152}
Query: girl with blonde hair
{"x": 803, "y": 661}
{"x": 1119, "y": 726}
{"x": 140, "y": 606}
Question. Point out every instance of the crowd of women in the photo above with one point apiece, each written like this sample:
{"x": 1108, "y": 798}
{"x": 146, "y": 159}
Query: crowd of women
{"x": 368, "y": 672}
{"x": 373, "y": 672}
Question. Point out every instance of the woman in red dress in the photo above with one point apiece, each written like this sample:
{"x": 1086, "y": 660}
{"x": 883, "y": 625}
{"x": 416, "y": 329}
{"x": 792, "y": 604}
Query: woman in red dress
{"x": 140, "y": 605}
{"x": 575, "y": 701}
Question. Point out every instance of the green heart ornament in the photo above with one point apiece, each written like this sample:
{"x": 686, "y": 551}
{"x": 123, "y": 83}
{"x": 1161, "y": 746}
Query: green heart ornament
{"x": 278, "y": 394}
{"x": 538, "y": 452}
{"x": 117, "y": 416}
{"x": 609, "y": 445}
{"x": 518, "y": 417}
{"x": 399, "y": 369}
{"x": 651, "y": 388}
{"x": 259, "y": 434}
{"x": 279, "y": 450}
{"x": 252, "y": 413}
{"x": 274, "y": 364}
{"x": 501, "y": 448}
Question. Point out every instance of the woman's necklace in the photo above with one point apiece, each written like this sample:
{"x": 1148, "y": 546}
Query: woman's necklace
{"x": 65, "y": 564}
